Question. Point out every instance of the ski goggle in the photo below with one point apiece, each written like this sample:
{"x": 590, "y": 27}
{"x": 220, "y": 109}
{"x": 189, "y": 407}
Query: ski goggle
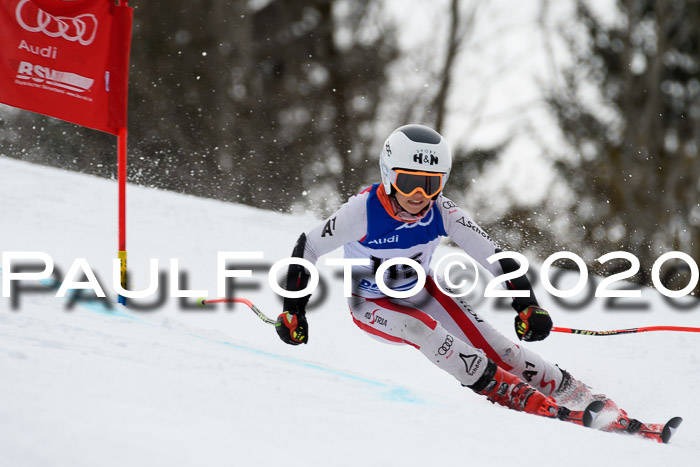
{"x": 407, "y": 182}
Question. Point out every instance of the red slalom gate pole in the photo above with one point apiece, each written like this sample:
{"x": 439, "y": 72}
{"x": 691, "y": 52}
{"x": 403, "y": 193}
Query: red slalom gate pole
{"x": 121, "y": 176}
{"x": 584, "y": 332}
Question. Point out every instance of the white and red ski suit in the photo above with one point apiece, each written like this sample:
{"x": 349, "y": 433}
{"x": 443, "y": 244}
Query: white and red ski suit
{"x": 448, "y": 331}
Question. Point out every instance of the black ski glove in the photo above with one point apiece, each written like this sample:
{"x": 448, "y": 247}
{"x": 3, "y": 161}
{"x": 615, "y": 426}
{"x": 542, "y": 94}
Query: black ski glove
{"x": 533, "y": 324}
{"x": 292, "y": 328}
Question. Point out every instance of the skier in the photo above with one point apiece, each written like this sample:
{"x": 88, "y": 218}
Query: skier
{"x": 404, "y": 216}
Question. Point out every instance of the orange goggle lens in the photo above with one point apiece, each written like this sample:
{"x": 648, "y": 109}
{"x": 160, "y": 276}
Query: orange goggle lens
{"x": 407, "y": 183}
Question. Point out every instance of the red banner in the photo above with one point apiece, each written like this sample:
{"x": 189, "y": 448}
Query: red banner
{"x": 68, "y": 59}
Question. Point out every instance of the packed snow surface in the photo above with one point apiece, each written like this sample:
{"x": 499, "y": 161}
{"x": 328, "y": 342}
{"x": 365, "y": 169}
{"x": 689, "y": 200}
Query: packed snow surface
{"x": 85, "y": 382}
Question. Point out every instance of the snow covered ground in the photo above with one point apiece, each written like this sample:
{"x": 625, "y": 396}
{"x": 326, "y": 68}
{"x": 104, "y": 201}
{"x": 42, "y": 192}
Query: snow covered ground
{"x": 173, "y": 385}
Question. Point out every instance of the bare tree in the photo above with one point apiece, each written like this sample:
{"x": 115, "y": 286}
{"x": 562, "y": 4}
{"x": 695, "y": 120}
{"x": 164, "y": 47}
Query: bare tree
{"x": 634, "y": 167}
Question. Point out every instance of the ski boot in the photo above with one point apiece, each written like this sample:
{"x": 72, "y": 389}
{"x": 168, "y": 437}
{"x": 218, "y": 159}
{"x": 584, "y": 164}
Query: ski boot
{"x": 506, "y": 389}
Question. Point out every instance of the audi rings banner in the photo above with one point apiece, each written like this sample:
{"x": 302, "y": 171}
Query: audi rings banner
{"x": 68, "y": 59}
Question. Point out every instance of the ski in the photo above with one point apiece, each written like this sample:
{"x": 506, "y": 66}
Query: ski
{"x": 584, "y": 417}
{"x": 660, "y": 432}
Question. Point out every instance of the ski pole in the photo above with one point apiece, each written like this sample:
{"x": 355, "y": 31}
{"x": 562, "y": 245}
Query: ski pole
{"x": 256, "y": 310}
{"x": 625, "y": 331}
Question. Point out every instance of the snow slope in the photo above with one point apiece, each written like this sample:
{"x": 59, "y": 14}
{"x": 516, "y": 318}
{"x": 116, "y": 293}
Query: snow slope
{"x": 102, "y": 385}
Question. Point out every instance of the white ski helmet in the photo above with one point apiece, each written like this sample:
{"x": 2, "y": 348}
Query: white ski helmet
{"x": 414, "y": 148}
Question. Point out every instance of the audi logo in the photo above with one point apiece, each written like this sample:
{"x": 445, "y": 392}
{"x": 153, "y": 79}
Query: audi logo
{"x": 82, "y": 28}
{"x": 445, "y": 347}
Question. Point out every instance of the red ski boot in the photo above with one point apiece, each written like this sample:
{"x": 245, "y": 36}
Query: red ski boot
{"x": 508, "y": 390}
